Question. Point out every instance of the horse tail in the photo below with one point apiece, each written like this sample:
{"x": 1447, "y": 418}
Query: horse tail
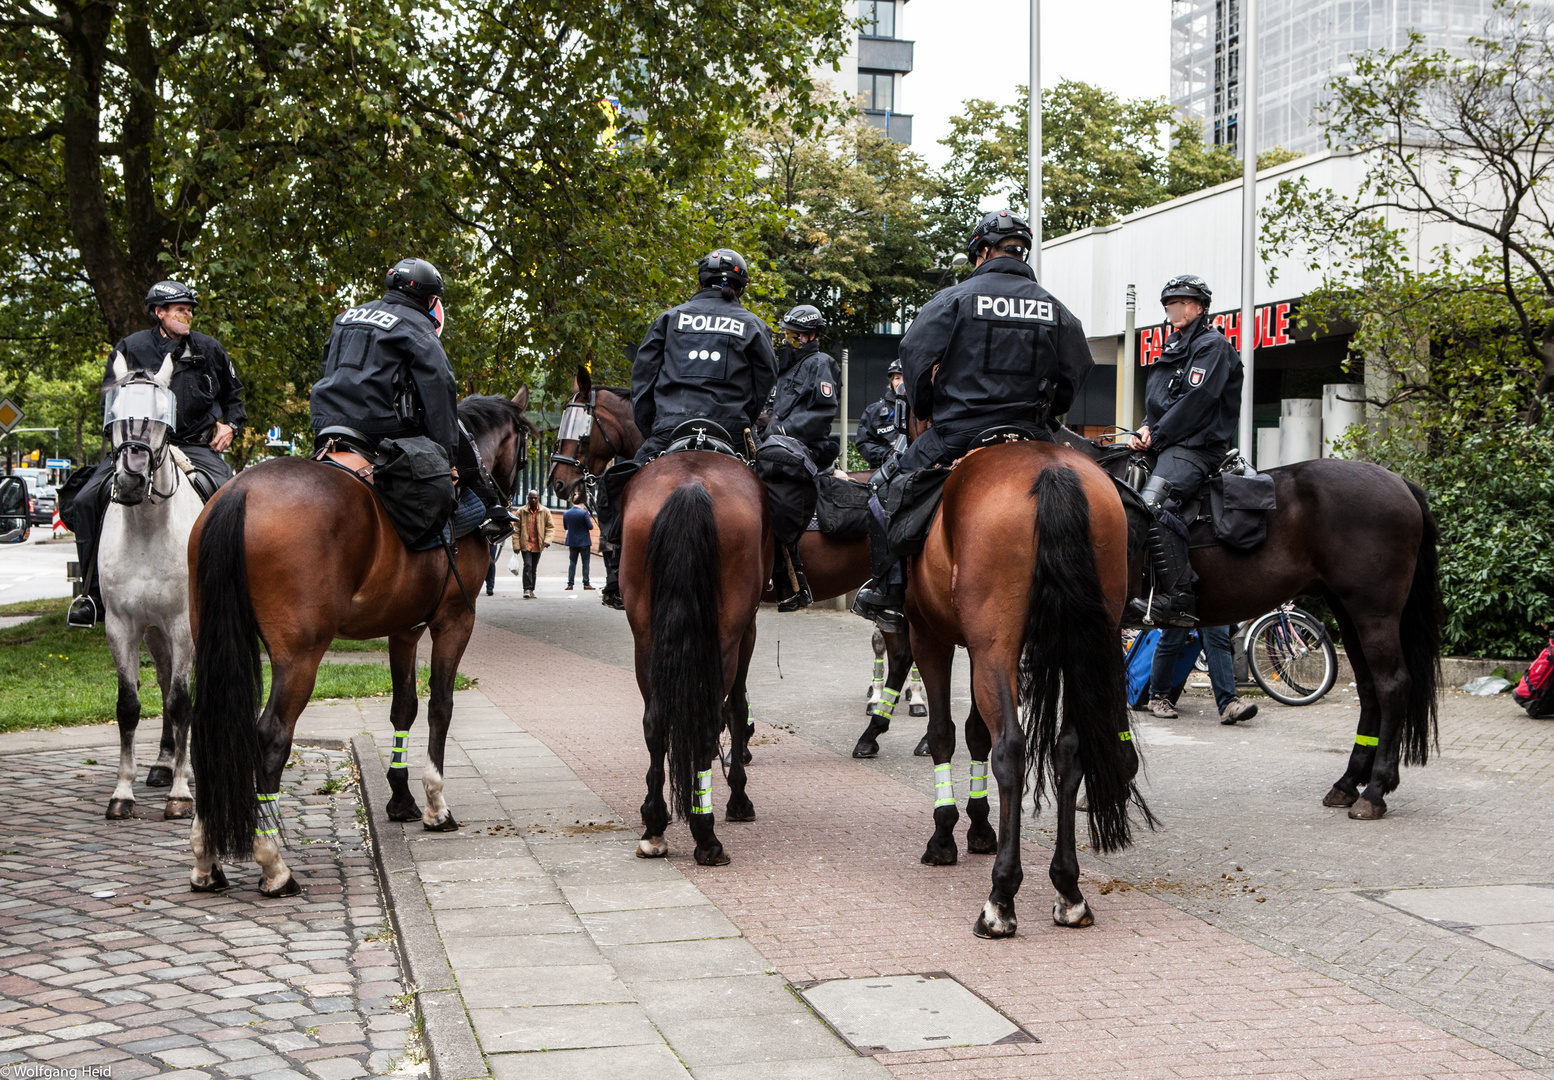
{"x": 228, "y": 678}
{"x": 685, "y": 670}
{"x": 1071, "y": 649}
{"x": 1420, "y": 630}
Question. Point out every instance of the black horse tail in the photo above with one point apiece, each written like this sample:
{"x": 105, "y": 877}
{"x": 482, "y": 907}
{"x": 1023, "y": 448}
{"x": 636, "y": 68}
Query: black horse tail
{"x": 1420, "y": 630}
{"x": 228, "y": 676}
{"x": 685, "y": 670}
{"x": 1071, "y": 647}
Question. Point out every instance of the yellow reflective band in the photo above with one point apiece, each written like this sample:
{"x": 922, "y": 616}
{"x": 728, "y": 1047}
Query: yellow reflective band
{"x": 978, "y": 780}
{"x": 1366, "y": 740}
{"x": 915, "y": 677}
{"x": 893, "y": 695}
{"x": 269, "y": 798}
{"x": 1125, "y": 736}
{"x": 398, "y": 756}
{"x": 266, "y": 832}
{"x": 943, "y": 785}
{"x": 703, "y": 802}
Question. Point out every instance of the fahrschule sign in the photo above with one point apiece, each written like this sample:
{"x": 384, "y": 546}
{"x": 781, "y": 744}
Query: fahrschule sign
{"x": 1271, "y": 322}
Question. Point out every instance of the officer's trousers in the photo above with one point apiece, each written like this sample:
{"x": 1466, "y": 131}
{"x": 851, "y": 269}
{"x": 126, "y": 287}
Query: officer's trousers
{"x": 1186, "y": 469}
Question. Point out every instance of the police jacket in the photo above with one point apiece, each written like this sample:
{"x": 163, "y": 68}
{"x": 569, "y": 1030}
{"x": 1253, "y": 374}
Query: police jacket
{"x": 1007, "y": 352}
{"x": 385, "y": 374}
{"x": 804, "y": 402}
{"x": 877, "y": 430}
{"x": 1193, "y": 398}
{"x": 204, "y": 383}
{"x": 710, "y": 358}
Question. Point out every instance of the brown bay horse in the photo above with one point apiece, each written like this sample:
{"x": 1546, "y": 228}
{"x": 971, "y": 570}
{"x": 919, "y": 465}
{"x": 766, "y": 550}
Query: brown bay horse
{"x": 1026, "y": 565}
{"x": 291, "y": 554}
{"x": 696, "y": 550}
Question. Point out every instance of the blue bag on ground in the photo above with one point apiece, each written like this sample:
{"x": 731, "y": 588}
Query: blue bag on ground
{"x": 1141, "y": 654}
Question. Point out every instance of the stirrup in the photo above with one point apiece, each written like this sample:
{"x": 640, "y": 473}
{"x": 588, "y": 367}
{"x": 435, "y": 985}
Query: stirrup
{"x": 1162, "y": 611}
{"x": 795, "y": 600}
{"x": 83, "y": 613}
{"x": 874, "y": 604}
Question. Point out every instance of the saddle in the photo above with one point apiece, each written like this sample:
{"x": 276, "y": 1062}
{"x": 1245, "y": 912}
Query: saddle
{"x": 348, "y": 449}
{"x": 203, "y": 485}
{"x": 703, "y": 434}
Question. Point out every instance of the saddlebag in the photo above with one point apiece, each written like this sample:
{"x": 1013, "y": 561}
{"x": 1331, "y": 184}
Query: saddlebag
{"x": 842, "y": 509}
{"x": 413, "y": 477}
{"x": 1240, "y": 506}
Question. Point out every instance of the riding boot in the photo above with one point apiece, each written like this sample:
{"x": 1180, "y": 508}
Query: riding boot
{"x": 1173, "y": 601}
{"x": 498, "y": 525}
{"x": 610, "y": 595}
{"x": 787, "y": 598}
{"x": 84, "y": 612}
{"x": 882, "y": 598}
{"x": 87, "y": 609}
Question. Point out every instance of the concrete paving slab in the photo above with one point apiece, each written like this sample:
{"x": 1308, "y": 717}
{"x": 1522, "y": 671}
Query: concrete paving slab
{"x": 634, "y": 1062}
{"x": 501, "y": 987}
{"x": 504, "y": 862}
{"x": 752, "y": 1040}
{"x": 659, "y": 924}
{"x": 451, "y": 895}
{"x": 1534, "y": 941}
{"x": 531, "y": 950}
{"x": 671, "y": 1000}
{"x": 562, "y": 1027}
{"x": 848, "y": 1068}
{"x": 633, "y": 895}
{"x": 1477, "y": 905}
{"x": 686, "y": 960}
{"x": 506, "y": 922}
{"x": 909, "y": 1012}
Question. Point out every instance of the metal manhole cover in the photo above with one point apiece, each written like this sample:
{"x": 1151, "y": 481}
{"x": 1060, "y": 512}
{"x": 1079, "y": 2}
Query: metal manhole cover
{"x": 909, "y": 1012}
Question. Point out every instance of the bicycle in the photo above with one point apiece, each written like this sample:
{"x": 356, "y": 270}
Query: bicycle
{"x": 1291, "y": 655}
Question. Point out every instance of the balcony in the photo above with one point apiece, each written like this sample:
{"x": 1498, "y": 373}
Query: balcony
{"x": 897, "y": 125}
{"x": 884, "y": 54}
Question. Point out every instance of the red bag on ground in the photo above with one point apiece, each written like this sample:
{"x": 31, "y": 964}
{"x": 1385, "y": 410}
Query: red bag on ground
{"x": 1535, "y": 692}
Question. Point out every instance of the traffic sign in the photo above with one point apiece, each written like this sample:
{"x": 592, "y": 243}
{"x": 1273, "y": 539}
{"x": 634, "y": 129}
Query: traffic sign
{"x": 10, "y": 416}
{"x": 57, "y": 463}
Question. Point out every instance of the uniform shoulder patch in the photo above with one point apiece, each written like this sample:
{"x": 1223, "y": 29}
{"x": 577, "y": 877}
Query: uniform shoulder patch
{"x": 826, "y": 389}
{"x": 1195, "y": 375}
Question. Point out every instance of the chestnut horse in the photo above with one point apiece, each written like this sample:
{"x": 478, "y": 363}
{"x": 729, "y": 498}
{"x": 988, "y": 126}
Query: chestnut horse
{"x": 1026, "y": 565}
{"x": 292, "y": 554}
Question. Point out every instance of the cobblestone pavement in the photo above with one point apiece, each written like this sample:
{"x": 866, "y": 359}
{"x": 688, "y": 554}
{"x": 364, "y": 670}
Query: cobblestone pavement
{"x": 1185, "y": 974}
{"x": 147, "y": 978}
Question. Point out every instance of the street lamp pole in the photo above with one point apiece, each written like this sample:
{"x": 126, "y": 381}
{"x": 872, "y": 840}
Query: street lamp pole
{"x": 1248, "y": 137}
{"x": 1035, "y": 138}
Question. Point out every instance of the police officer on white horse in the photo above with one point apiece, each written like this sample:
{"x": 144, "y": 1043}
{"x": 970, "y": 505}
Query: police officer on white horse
{"x": 209, "y": 415}
{"x": 1192, "y": 404}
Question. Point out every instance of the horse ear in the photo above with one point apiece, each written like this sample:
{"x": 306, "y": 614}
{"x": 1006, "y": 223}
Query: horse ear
{"x": 120, "y": 367}
{"x": 164, "y": 374}
{"x": 585, "y": 383}
{"x": 521, "y": 398}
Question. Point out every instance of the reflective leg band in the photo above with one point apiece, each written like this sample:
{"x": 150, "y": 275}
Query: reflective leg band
{"x": 886, "y": 706}
{"x": 879, "y": 672}
{"x": 943, "y": 786}
{"x": 397, "y": 758}
{"x": 1125, "y": 736}
{"x": 1366, "y": 740}
{"x": 268, "y": 824}
{"x": 749, "y": 718}
{"x": 978, "y": 780}
{"x": 915, "y": 677}
{"x": 703, "y": 801}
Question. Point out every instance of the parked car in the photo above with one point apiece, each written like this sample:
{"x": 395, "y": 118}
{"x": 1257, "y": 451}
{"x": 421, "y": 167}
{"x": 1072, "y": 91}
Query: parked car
{"x": 41, "y": 502}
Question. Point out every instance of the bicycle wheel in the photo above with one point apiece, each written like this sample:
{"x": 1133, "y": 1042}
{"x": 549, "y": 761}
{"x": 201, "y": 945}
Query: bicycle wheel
{"x": 1292, "y": 658}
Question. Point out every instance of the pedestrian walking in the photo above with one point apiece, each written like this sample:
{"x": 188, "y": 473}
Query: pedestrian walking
{"x": 533, "y": 535}
{"x": 580, "y": 541}
{"x": 496, "y": 551}
{"x": 1222, "y": 673}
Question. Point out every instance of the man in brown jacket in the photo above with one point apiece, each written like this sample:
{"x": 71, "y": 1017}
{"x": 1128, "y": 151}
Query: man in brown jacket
{"x": 533, "y": 535}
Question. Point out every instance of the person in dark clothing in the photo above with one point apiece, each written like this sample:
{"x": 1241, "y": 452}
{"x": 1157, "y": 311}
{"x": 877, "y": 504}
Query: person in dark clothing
{"x": 882, "y": 427}
{"x": 210, "y": 414}
{"x": 709, "y": 359}
{"x": 580, "y": 541}
{"x": 994, "y": 349}
{"x": 386, "y": 376}
{"x": 796, "y": 443}
{"x": 1191, "y": 406}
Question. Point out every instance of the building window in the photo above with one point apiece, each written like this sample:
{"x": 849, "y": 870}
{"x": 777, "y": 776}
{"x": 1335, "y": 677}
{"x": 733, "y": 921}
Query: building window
{"x": 877, "y": 88}
{"x": 879, "y": 18}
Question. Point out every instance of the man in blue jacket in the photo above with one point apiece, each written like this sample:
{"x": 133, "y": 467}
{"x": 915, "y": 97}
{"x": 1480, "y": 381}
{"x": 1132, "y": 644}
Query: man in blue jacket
{"x": 1191, "y": 407}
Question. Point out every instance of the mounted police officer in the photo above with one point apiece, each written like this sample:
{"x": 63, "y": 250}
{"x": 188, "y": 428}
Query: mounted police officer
{"x": 386, "y": 376}
{"x": 995, "y": 349}
{"x": 707, "y": 359}
{"x": 1191, "y": 407}
{"x": 797, "y": 443}
{"x": 882, "y": 428}
{"x": 209, "y": 415}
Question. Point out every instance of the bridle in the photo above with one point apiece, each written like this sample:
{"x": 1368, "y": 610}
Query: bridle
{"x": 139, "y": 438}
{"x": 584, "y": 439}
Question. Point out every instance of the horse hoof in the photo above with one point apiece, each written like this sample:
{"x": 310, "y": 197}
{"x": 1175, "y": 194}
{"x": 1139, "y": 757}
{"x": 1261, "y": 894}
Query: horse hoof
{"x": 1075, "y": 915}
{"x": 994, "y": 922}
{"x": 744, "y": 812}
{"x": 652, "y": 847}
{"x": 159, "y": 776}
{"x": 1365, "y": 810}
{"x": 215, "y": 882}
{"x": 941, "y": 854}
{"x": 288, "y": 888}
{"x": 402, "y": 811}
{"x": 922, "y": 748}
{"x": 1339, "y": 797}
{"x": 119, "y": 809}
{"x": 442, "y": 824}
{"x": 713, "y": 856}
{"x": 178, "y": 809}
{"x": 866, "y": 748}
{"x": 982, "y": 841}
{"x": 746, "y": 757}
{"x": 917, "y": 710}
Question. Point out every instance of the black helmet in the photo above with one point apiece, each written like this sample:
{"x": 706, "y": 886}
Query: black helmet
{"x": 805, "y": 319}
{"x": 415, "y": 278}
{"x": 895, "y": 368}
{"x": 164, "y": 293}
{"x": 724, "y": 265}
{"x": 996, "y": 228}
{"x": 1190, "y": 286}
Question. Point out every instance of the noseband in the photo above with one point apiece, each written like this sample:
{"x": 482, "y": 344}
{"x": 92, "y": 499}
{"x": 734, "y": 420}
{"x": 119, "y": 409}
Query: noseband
{"x": 137, "y": 440}
{"x": 580, "y": 460}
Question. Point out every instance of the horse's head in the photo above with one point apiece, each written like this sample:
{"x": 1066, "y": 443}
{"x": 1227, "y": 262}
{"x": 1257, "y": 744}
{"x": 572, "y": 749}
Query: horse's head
{"x": 139, "y": 414}
{"x": 501, "y": 432}
{"x": 596, "y": 427}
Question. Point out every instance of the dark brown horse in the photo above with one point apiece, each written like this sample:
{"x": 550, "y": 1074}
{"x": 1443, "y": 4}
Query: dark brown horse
{"x": 1026, "y": 565}
{"x": 1364, "y": 540}
{"x": 294, "y": 553}
{"x": 696, "y": 550}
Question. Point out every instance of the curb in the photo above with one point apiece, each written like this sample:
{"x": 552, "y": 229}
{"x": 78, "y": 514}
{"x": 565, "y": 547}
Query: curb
{"x": 451, "y": 1049}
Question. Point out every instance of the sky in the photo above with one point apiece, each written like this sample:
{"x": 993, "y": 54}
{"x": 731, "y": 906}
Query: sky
{"x": 1122, "y": 45}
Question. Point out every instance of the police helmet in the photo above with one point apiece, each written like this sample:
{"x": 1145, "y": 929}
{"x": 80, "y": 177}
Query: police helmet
{"x": 164, "y": 293}
{"x": 723, "y": 266}
{"x": 416, "y": 278}
{"x": 1188, "y": 286}
{"x": 804, "y": 319}
{"x": 894, "y": 369}
{"x": 996, "y": 228}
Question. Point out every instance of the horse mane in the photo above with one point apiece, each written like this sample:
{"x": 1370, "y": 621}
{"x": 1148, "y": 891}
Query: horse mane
{"x": 618, "y": 391}
{"x": 482, "y": 413}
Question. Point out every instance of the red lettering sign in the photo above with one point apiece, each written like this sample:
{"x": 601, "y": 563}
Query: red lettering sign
{"x": 1270, "y": 328}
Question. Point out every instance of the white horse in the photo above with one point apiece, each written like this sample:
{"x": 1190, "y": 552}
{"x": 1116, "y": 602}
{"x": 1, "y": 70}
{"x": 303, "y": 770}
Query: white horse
{"x": 143, "y": 565}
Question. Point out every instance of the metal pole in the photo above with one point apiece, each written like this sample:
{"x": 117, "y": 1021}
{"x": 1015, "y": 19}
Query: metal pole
{"x": 1130, "y": 359}
{"x": 1248, "y": 140}
{"x": 841, "y": 394}
{"x": 1035, "y": 138}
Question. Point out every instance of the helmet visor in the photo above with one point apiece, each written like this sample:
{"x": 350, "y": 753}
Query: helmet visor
{"x": 576, "y": 425}
{"x": 140, "y": 400}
